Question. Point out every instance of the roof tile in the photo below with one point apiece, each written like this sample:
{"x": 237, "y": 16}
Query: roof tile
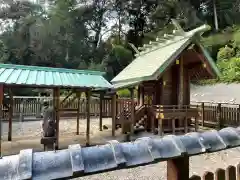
{"x": 77, "y": 161}
{"x": 52, "y": 77}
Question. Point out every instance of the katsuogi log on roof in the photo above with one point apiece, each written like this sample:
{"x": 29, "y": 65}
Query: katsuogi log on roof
{"x": 154, "y": 58}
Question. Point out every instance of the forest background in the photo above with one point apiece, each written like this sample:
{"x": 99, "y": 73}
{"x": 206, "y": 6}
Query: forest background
{"x": 95, "y": 34}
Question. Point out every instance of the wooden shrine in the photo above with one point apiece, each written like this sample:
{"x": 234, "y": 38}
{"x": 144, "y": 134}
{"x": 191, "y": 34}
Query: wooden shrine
{"x": 163, "y": 71}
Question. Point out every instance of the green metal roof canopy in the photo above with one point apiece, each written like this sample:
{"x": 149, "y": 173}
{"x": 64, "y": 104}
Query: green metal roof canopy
{"x": 37, "y": 76}
{"x": 156, "y": 56}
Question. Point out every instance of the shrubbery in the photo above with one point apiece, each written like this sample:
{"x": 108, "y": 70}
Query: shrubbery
{"x": 227, "y": 55}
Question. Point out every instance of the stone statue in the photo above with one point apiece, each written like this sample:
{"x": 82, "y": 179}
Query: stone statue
{"x": 48, "y": 124}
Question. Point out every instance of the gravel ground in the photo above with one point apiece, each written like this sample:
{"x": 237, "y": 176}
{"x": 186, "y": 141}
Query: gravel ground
{"x": 198, "y": 165}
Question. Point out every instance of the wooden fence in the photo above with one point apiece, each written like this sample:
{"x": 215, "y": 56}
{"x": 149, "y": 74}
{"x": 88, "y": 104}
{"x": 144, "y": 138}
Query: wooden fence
{"x": 212, "y": 114}
{"x": 219, "y": 114}
{"x": 32, "y": 106}
{"x": 231, "y": 173}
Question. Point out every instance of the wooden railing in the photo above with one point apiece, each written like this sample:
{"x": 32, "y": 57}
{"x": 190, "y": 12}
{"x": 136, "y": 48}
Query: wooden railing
{"x": 219, "y": 114}
{"x": 230, "y": 173}
{"x": 31, "y": 107}
{"x": 212, "y": 114}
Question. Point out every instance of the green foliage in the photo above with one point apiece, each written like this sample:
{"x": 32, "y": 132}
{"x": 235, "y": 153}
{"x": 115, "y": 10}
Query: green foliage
{"x": 3, "y": 52}
{"x": 117, "y": 59}
{"x": 225, "y": 53}
{"x": 230, "y": 70}
{"x": 125, "y": 93}
{"x": 94, "y": 35}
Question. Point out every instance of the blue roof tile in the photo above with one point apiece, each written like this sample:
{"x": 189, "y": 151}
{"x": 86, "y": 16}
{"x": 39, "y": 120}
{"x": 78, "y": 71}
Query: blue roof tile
{"x": 77, "y": 161}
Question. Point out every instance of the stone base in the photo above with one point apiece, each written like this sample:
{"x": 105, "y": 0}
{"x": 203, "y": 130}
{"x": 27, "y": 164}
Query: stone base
{"x": 48, "y": 140}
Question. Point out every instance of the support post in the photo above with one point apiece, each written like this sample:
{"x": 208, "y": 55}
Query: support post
{"x": 238, "y": 113}
{"x": 57, "y": 115}
{"x": 114, "y": 102}
{"x": 219, "y": 118}
{"x": 10, "y": 115}
{"x": 139, "y": 96}
{"x": 88, "y": 97}
{"x": 178, "y": 169}
{"x": 181, "y": 92}
{"x": 132, "y": 111}
{"x": 39, "y": 107}
{"x": 1, "y": 116}
{"x": 101, "y": 111}
{"x": 78, "y": 109}
{"x": 181, "y": 84}
{"x": 203, "y": 114}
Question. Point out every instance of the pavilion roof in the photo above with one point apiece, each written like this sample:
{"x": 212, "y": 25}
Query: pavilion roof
{"x": 152, "y": 59}
{"x": 36, "y": 76}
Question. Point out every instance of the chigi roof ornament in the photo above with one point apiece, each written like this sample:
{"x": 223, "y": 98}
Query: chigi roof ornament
{"x": 177, "y": 34}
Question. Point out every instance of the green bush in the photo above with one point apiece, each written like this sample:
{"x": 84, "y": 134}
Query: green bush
{"x": 225, "y": 53}
{"x": 125, "y": 93}
{"x": 230, "y": 70}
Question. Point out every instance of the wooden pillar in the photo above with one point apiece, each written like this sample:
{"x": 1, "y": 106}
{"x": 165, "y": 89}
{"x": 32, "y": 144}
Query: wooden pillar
{"x": 114, "y": 102}
{"x": 132, "y": 110}
{"x": 10, "y": 115}
{"x": 78, "y": 110}
{"x": 178, "y": 169}
{"x": 1, "y": 116}
{"x": 202, "y": 113}
{"x": 101, "y": 111}
{"x": 88, "y": 97}
{"x": 141, "y": 95}
{"x": 219, "y": 118}
{"x": 181, "y": 93}
{"x": 181, "y": 84}
{"x": 138, "y": 95}
{"x": 56, "y": 101}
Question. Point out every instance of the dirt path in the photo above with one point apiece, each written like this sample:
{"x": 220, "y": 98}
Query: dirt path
{"x": 27, "y": 135}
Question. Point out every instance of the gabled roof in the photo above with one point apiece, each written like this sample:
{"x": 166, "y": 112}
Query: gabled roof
{"x": 157, "y": 56}
{"x": 37, "y": 76}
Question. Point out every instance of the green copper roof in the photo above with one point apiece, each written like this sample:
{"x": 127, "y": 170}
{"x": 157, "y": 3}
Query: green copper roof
{"x": 156, "y": 56}
{"x": 210, "y": 60}
{"x": 51, "y": 77}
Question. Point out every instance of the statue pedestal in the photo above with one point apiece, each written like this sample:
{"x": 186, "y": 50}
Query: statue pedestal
{"x": 48, "y": 142}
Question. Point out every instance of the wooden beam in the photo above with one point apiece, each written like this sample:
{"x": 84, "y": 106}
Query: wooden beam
{"x": 114, "y": 102}
{"x": 78, "y": 94}
{"x": 101, "y": 111}
{"x": 69, "y": 94}
{"x": 88, "y": 96}
{"x": 38, "y": 86}
{"x": 10, "y": 115}
{"x": 181, "y": 83}
{"x": 138, "y": 95}
{"x": 56, "y": 100}
{"x": 141, "y": 95}
{"x": 208, "y": 68}
{"x": 178, "y": 169}
{"x": 1, "y": 112}
{"x": 132, "y": 111}
{"x": 69, "y": 102}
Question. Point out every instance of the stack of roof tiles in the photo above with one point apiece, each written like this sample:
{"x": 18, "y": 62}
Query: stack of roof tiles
{"x": 77, "y": 161}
